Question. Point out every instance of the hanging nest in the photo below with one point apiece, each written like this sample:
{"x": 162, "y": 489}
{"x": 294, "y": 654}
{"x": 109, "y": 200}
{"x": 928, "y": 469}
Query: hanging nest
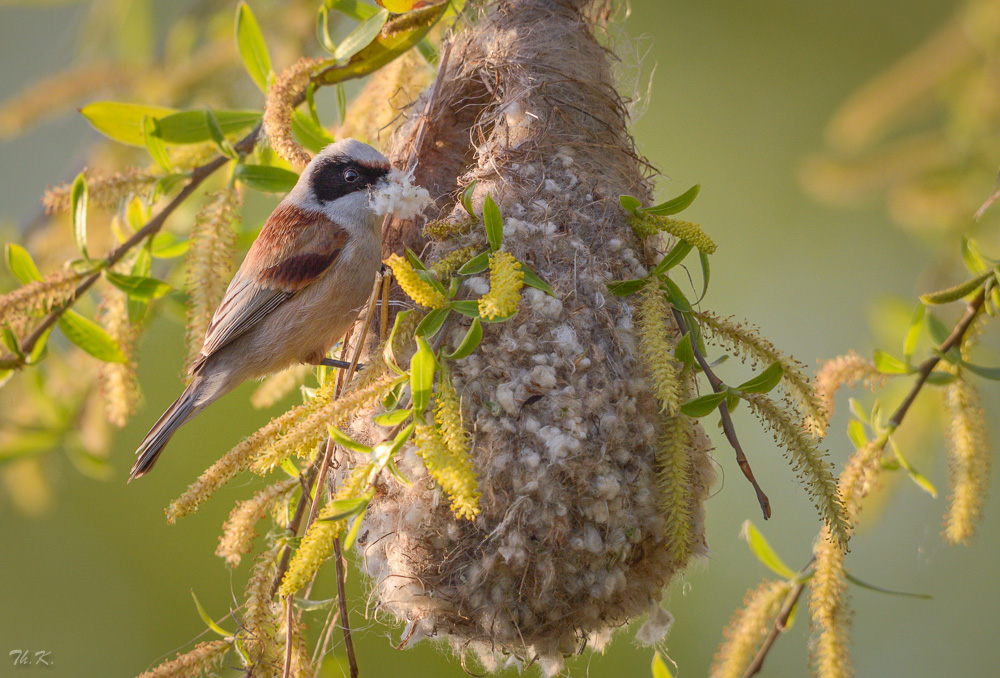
{"x": 591, "y": 495}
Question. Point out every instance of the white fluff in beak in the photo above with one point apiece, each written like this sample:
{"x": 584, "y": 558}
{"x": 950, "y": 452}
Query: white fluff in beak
{"x": 400, "y": 197}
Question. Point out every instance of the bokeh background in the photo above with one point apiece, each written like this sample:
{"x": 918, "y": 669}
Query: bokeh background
{"x": 740, "y": 95}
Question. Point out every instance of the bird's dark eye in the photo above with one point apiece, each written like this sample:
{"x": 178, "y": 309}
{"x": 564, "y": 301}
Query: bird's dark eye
{"x": 351, "y": 175}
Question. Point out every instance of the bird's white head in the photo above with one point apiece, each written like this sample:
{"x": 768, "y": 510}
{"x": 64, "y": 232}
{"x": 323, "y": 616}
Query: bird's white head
{"x": 339, "y": 181}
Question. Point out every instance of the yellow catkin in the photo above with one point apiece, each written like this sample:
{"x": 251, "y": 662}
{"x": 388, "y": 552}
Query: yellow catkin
{"x": 653, "y": 314}
{"x": 209, "y": 263}
{"x": 464, "y": 494}
{"x": 416, "y": 289}
{"x": 748, "y": 628}
{"x": 450, "y": 262}
{"x": 444, "y": 229}
{"x": 18, "y": 306}
{"x": 201, "y": 659}
{"x": 845, "y": 370}
{"x": 746, "y": 342}
{"x": 102, "y": 189}
{"x": 309, "y": 431}
{"x": 317, "y": 544}
{"x": 650, "y": 224}
{"x": 675, "y": 484}
{"x": 506, "y": 281}
{"x": 284, "y": 95}
{"x": 260, "y": 621}
{"x": 279, "y": 385}
{"x": 829, "y": 650}
{"x": 808, "y": 462}
{"x": 968, "y": 461}
{"x": 118, "y": 382}
{"x": 239, "y": 457}
{"x": 453, "y": 472}
{"x": 239, "y": 530}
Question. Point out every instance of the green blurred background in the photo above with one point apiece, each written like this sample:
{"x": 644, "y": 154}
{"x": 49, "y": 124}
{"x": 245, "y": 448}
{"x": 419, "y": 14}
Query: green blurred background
{"x": 740, "y": 95}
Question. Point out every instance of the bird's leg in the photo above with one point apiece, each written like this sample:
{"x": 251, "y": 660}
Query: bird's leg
{"x": 330, "y": 362}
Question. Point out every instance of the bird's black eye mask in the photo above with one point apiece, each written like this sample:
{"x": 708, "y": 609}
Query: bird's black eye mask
{"x": 339, "y": 176}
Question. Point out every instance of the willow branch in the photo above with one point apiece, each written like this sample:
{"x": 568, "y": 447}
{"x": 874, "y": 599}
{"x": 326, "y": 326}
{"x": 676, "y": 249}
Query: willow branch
{"x": 953, "y": 340}
{"x": 727, "y": 420}
{"x": 151, "y": 228}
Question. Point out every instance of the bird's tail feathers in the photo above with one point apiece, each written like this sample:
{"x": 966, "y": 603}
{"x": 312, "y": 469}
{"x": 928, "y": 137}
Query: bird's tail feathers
{"x": 176, "y": 415}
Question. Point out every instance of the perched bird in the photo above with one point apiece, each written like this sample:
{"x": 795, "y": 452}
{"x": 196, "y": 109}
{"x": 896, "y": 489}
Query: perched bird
{"x": 301, "y": 285}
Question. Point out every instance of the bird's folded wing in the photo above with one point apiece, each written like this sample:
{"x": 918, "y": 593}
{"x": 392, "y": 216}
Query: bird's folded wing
{"x": 294, "y": 249}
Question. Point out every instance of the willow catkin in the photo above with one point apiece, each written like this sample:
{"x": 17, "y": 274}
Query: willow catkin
{"x": 19, "y": 306}
{"x": 209, "y": 263}
{"x": 968, "y": 461}
{"x": 118, "y": 381}
{"x": 416, "y": 289}
{"x": 260, "y": 620}
{"x": 506, "y": 281}
{"x": 203, "y": 658}
{"x": 748, "y": 628}
{"x": 284, "y": 95}
{"x": 653, "y": 313}
{"x": 845, "y": 370}
{"x": 239, "y": 530}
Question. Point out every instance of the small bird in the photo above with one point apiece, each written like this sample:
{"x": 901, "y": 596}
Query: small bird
{"x": 301, "y": 285}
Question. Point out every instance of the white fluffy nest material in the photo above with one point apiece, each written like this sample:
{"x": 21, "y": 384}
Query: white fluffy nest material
{"x": 400, "y": 198}
{"x": 570, "y": 541}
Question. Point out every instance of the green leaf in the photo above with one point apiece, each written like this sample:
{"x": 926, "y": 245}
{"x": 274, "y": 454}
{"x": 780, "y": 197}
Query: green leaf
{"x": 938, "y": 330}
{"x": 913, "y": 332}
{"x": 629, "y": 204}
{"x": 138, "y": 286}
{"x": 308, "y": 605}
{"x": 706, "y": 273}
{"x": 659, "y": 667}
{"x": 391, "y": 357}
{"x": 209, "y": 622}
{"x": 341, "y": 93}
{"x": 871, "y": 587}
{"x": 88, "y": 464}
{"x": 78, "y": 207}
{"x": 345, "y": 508}
{"x": 623, "y": 288}
{"x": 856, "y": 433}
{"x": 38, "y": 350}
{"x": 91, "y": 337}
{"x": 428, "y": 52}
{"x": 122, "y": 122}
{"x": 359, "y": 11}
{"x": 154, "y": 144}
{"x": 467, "y": 307}
{"x": 27, "y": 443}
{"x": 683, "y": 352}
{"x": 265, "y": 178}
{"x": 974, "y": 260}
{"x": 957, "y": 292}
{"x": 5, "y": 376}
{"x": 215, "y": 132}
{"x": 493, "y": 222}
{"x": 191, "y": 127}
{"x": 392, "y": 418}
{"x": 414, "y": 260}
{"x": 473, "y": 336}
{"x": 422, "y": 367}
{"x": 916, "y": 476}
{"x": 673, "y": 257}
{"x": 991, "y": 373}
{"x": 253, "y": 50}
{"x": 400, "y": 34}
{"x": 323, "y": 30}
{"x": 531, "y": 279}
{"x": 362, "y": 36}
{"x": 476, "y": 264}
{"x": 678, "y": 204}
{"x": 311, "y": 135}
{"x": 676, "y": 297}
{"x": 168, "y": 246}
{"x": 10, "y": 341}
{"x": 383, "y": 453}
{"x": 21, "y": 265}
{"x": 765, "y": 381}
{"x": 887, "y": 364}
{"x": 141, "y": 268}
{"x": 939, "y": 378}
{"x": 467, "y": 197}
{"x": 765, "y": 554}
{"x": 355, "y": 526}
{"x": 432, "y": 322}
{"x": 346, "y": 441}
{"x": 703, "y": 405}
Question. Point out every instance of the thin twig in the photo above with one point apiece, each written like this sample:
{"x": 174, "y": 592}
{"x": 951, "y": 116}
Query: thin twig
{"x": 198, "y": 175}
{"x": 727, "y": 420}
{"x": 288, "y": 638}
{"x": 345, "y": 624}
{"x": 954, "y": 339}
{"x": 305, "y": 479}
